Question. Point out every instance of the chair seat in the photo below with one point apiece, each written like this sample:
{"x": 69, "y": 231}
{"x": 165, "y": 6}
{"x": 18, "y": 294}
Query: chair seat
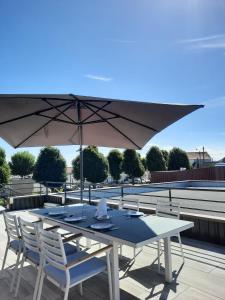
{"x": 16, "y": 245}
{"x": 78, "y": 273}
{"x": 35, "y": 256}
{"x": 70, "y": 249}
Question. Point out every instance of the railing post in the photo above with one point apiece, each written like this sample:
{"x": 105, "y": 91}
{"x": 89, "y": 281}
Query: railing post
{"x": 89, "y": 194}
{"x": 122, "y": 192}
{"x": 40, "y": 188}
{"x": 65, "y": 193}
{"x": 46, "y": 188}
{"x": 170, "y": 199}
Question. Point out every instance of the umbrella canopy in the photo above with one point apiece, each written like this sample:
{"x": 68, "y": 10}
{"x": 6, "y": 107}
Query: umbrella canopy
{"x": 48, "y": 120}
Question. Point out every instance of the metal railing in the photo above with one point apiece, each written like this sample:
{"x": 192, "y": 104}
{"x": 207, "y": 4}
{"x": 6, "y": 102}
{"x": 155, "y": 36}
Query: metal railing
{"x": 201, "y": 200}
{"x": 21, "y": 189}
{"x": 190, "y": 199}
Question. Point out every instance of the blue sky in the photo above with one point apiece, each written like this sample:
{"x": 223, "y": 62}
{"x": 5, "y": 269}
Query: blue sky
{"x": 156, "y": 50}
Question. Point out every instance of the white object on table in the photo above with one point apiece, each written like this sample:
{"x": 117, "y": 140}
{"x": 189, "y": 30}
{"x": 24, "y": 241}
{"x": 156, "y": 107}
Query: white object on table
{"x": 101, "y": 211}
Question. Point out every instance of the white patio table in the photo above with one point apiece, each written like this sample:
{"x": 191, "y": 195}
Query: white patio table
{"x": 130, "y": 231}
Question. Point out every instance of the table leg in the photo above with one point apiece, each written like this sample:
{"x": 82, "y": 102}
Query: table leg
{"x": 168, "y": 260}
{"x": 115, "y": 271}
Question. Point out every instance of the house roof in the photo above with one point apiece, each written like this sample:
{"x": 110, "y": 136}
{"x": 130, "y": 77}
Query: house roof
{"x": 198, "y": 155}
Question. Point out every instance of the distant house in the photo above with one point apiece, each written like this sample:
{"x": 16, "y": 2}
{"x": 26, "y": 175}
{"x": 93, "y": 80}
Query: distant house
{"x": 69, "y": 172}
{"x": 198, "y": 159}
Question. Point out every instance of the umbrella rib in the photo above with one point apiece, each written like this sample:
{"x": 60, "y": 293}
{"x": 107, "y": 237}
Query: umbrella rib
{"x": 58, "y": 120}
{"x": 33, "y": 113}
{"x": 125, "y": 118}
{"x": 65, "y": 115}
{"x": 99, "y": 121}
{"x": 91, "y": 115}
{"x": 52, "y": 119}
{"x": 113, "y": 126}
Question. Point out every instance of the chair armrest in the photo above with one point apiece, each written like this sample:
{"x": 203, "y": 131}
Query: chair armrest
{"x": 52, "y": 228}
{"x": 65, "y": 234}
{"x": 38, "y": 221}
{"x": 72, "y": 237}
{"x": 87, "y": 257}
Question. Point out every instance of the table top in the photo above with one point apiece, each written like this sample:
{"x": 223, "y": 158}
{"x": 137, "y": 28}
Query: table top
{"x": 130, "y": 230}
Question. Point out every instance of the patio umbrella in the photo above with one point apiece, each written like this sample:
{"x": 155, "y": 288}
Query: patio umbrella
{"x": 49, "y": 120}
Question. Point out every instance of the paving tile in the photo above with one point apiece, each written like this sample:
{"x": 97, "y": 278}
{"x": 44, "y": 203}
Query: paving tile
{"x": 219, "y": 272}
{"x": 202, "y": 281}
{"x": 194, "y": 294}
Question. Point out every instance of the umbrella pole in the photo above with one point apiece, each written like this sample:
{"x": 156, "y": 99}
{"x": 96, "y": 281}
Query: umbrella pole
{"x": 81, "y": 164}
{"x": 80, "y": 129}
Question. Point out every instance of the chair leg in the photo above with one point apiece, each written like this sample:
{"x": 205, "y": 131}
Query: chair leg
{"x": 121, "y": 250}
{"x": 15, "y": 271}
{"x": 40, "y": 286}
{"x": 4, "y": 259}
{"x": 181, "y": 247}
{"x": 37, "y": 282}
{"x": 109, "y": 276}
{"x": 159, "y": 250}
{"x": 88, "y": 243}
{"x": 66, "y": 293}
{"x": 81, "y": 289}
{"x": 78, "y": 245}
{"x": 19, "y": 276}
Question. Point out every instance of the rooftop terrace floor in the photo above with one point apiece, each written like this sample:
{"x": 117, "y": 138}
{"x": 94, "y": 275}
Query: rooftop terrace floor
{"x": 201, "y": 277}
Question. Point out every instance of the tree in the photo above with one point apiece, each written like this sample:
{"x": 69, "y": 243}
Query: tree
{"x": 144, "y": 162}
{"x": 165, "y": 156}
{"x": 178, "y": 159}
{"x": 132, "y": 164}
{"x": 95, "y": 165}
{"x": 155, "y": 160}
{"x": 50, "y": 166}
{"x": 115, "y": 159}
{"x": 22, "y": 163}
{"x": 4, "y": 168}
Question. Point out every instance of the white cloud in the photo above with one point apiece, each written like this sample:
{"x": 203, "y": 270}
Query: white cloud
{"x": 206, "y": 42}
{"x": 98, "y": 77}
{"x": 216, "y": 102}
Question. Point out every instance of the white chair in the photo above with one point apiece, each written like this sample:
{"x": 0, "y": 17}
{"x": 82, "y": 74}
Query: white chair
{"x": 14, "y": 242}
{"x": 168, "y": 210}
{"x": 68, "y": 271}
{"x": 31, "y": 248}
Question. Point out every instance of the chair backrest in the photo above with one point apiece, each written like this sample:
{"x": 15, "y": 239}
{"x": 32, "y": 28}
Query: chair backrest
{"x": 12, "y": 226}
{"x": 53, "y": 249}
{"x": 168, "y": 209}
{"x": 134, "y": 204}
{"x": 30, "y": 235}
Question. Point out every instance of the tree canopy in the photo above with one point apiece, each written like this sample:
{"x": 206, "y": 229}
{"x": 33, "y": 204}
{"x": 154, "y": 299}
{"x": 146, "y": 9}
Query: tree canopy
{"x": 95, "y": 165}
{"x": 178, "y": 159}
{"x": 144, "y": 162}
{"x": 165, "y": 156}
{"x": 132, "y": 164}
{"x": 115, "y": 159}
{"x": 155, "y": 160}
{"x": 4, "y": 168}
{"x": 50, "y": 166}
{"x": 22, "y": 163}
